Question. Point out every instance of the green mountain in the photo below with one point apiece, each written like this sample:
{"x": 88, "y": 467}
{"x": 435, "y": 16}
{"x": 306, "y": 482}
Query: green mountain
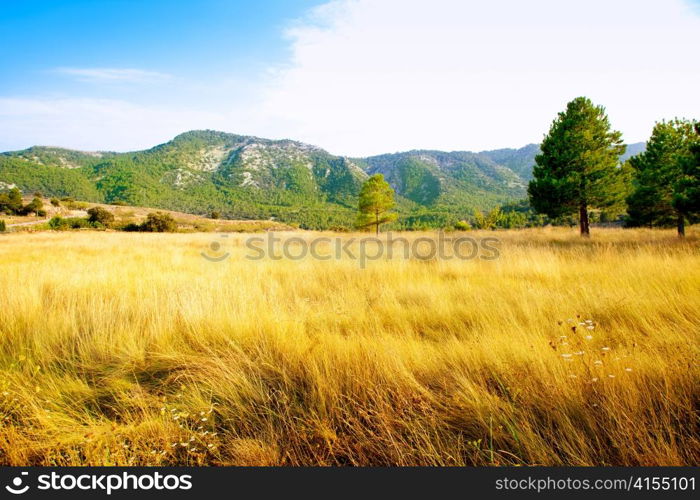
{"x": 246, "y": 177}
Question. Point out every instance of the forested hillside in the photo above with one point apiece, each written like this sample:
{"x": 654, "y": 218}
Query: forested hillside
{"x": 249, "y": 177}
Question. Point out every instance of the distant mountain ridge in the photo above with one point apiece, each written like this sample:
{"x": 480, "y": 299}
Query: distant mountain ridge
{"x": 239, "y": 176}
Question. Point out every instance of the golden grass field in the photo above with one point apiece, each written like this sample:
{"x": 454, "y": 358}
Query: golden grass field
{"x": 131, "y": 349}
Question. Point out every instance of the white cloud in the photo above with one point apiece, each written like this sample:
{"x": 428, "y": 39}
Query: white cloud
{"x": 123, "y": 75}
{"x": 370, "y": 76}
{"x": 374, "y": 76}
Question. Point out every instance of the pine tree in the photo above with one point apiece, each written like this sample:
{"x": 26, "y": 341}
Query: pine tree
{"x": 376, "y": 201}
{"x": 578, "y": 168}
{"x": 662, "y": 193}
{"x": 686, "y": 198}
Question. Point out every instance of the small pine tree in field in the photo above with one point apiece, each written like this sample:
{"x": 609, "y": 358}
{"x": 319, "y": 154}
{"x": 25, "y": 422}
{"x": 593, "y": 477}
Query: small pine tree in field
{"x": 376, "y": 201}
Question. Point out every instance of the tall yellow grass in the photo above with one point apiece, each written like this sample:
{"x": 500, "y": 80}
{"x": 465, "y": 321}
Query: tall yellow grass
{"x": 131, "y": 349}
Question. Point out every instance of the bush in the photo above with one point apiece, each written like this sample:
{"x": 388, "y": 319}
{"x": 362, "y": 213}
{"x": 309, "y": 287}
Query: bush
{"x": 71, "y": 204}
{"x": 3, "y": 227}
{"x": 34, "y": 207}
{"x": 99, "y": 215}
{"x": 80, "y": 205}
{"x": 41, "y": 213}
{"x": 11, "y": 202}
{"x": 131, "y": 227}
{"x": 55, "y": 202}
{"x": 58, "y": 223}
{"x": 463, "y": 225}
{"x": 159, "y": 222}
{"x": 215, "y": 215}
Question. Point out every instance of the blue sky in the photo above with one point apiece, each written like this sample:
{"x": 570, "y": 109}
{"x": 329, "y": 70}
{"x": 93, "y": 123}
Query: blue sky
{"x": 189, "y": 40}
{"x": 353, "y": 76}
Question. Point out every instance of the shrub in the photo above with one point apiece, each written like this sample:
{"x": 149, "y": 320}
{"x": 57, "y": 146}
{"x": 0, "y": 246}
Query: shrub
{"x": 3, "y": 227}
{"x": 78, "y": 223}
{"x": 131, "y": 227}
{"x": 215, "y": 215}
{"x": 57, "y": 223}
{"x": 55, "y": 202}
{"x": 41, "y": 213}
{"x": 71, "y": 204}
{"x": 11, "y": 202}
{"x": 34, "y": 206}
{"x": 159, "y": 222}
{"x": 99, "y": 215}
{"x": 462, "y": 225}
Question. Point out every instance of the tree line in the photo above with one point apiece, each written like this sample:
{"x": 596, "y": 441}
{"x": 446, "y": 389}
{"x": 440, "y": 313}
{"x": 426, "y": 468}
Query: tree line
{"x": 578, "y": 170}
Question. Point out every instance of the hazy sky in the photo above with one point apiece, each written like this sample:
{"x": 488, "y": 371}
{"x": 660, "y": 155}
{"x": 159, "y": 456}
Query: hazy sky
{"x": 355, "y": 77}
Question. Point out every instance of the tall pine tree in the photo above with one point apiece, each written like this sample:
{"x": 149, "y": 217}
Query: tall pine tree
{"x": 662, "y": 192}
{"x": 687, "y": 196}
{"x": 578, "y": 168}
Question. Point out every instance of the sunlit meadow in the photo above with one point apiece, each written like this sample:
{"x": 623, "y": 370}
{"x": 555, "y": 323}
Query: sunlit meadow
{"x": 132, "y": 349}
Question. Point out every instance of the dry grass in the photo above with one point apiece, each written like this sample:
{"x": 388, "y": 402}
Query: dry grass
{"x": 132, "y": 349}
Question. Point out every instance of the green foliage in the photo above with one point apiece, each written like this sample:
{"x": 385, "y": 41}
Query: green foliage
{"x": 53, "y": 180}
{"x": 687, "y": 193}
{"x": 131, "y": 227}
{"x": 99, "y": 215}
{"x": 663, "y": 177}
{"x": 518, "y": 160}
{"x": 58, "y": 223}
{"x": 500, "y": 219}
{"x": 447, "y": 182}
{"x": 418, "y": 182}
{"x": 159, "y": 222}
{"x": 55, "y": 202}
{"x": 579, "y": 167}
{"x": 76, "y": 205}
{"x": 463, "y": 225}
{"x": 3, "y": 226}
{"x": 241, "y": 177}
{"x": 376, "y": 201}
{"x": 11, "y": 202}
{"x": 34, "y": 207}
